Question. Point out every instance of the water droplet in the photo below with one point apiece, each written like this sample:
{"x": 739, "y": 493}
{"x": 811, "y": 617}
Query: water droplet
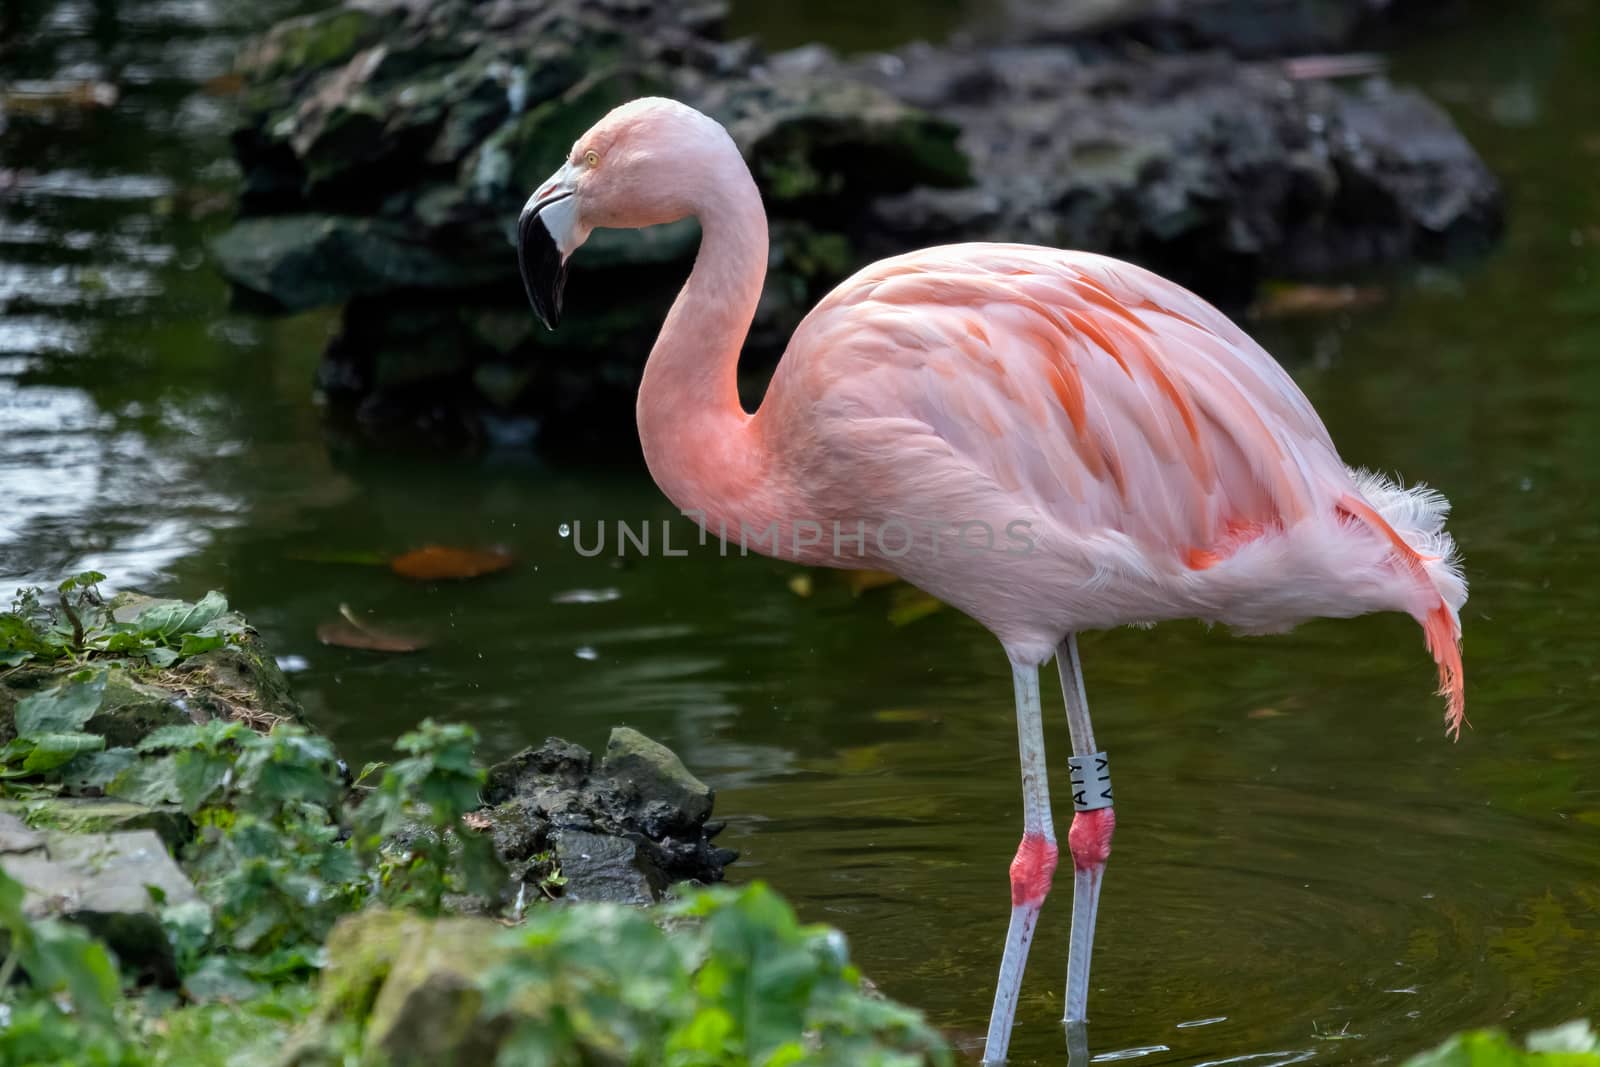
{"x": 565, "y": 530}
{"x": 587, "y": 653}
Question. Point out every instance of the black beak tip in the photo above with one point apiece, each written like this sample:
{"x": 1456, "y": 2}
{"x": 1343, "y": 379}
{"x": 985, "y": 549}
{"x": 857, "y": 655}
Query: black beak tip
{"x": 544, "y": 270}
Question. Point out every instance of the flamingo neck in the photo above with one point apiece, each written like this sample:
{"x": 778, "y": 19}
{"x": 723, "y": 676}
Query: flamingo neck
{"x": 697, "y": 438}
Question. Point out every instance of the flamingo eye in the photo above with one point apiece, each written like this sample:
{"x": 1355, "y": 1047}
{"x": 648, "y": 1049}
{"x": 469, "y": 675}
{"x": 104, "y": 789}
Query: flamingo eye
{"x": 592, "y": 158}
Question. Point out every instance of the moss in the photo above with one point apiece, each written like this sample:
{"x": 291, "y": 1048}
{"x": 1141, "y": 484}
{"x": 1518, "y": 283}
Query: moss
{"x": 239, "y": 681}
{"x": 133, "y": 708}
{"x": 311, "y": 42}
{"x": 407, "y": 988}
{"x": 81, "y": 815}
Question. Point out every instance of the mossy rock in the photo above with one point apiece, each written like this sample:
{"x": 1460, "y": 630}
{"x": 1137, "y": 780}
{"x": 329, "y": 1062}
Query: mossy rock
{"x": 240, "y": 681}
{"x": 133, "y": 708}
{"x": 405, "y": 988}
{"x": 311, "y": 43}
{"x": 306, "y": 261}
{"x": 529, "y": 147}
{"x": 83, "y": 815}
{"x": 812, "y": 138}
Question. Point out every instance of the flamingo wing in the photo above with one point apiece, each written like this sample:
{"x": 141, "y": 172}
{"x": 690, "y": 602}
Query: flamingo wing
{"x": 1107, "y": 397}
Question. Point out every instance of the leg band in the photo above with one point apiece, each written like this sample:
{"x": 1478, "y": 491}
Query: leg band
{"x": 1091, "y": 781}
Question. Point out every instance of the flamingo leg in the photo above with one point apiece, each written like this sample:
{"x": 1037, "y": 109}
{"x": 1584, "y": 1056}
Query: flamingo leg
{"x": 1093, "y": 823}
{"x": 1031, "y": 870}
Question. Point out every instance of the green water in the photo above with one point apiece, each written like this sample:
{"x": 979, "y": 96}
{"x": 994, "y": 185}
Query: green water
{"x": 1301, "y": 856}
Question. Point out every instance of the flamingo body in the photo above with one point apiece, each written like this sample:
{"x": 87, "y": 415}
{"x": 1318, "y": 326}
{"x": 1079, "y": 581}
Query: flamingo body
{"x": 1163, "y": 464}
{"x": 1125, "y": 452}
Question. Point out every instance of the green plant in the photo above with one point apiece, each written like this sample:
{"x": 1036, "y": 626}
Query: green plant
{"x": 64, "y": 1013}
{"x": 1572, "y": 1045}
{"x": 736, "y": 979}
{"x": 49, "y": 726}
{"x": 420, "y": 800}
{"x": 77, "y": 623}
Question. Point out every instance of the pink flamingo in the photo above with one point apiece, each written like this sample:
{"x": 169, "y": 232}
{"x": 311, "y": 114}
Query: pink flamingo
{"x": 1050, "y": 441}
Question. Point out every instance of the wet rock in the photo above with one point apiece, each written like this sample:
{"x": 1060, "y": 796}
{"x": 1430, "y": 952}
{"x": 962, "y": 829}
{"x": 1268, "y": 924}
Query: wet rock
{"x": 601, "y": 867}
{"x": 1242, "y": 27}
{"x": 115, "y": 884}
{"x": 668, "y": 796}
{"x": 621, "y": 831}
{"x": 1210, "y": 171}
{"x": 309, "y": 43}
{"x": 306, "y": 261}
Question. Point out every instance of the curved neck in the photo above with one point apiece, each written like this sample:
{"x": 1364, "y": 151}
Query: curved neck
{"x": 696, "y": 437}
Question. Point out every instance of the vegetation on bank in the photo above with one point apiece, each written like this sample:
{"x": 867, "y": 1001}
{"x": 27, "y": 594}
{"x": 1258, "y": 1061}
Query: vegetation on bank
{"x": 322, "y": 921}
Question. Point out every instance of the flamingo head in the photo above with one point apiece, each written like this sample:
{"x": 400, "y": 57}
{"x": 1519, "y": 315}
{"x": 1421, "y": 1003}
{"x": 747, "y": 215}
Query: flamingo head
{"x": 648, "y": 162}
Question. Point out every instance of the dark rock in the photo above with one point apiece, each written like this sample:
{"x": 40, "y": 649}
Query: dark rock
{"x": 601, "y": 867}
{"x": 115, "y": 884}
{"x": 240, "y": 681}
{"x": 305, "y": 261}
{"x": 667, "y": 794}
{"x": 299, "y": 46}
{"x": 1242, "y": 27}
{"x": 1187, "y": 164}
{"x": 632, "y": 826}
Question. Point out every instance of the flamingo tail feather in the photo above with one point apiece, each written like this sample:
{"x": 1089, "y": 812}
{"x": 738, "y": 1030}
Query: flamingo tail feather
{"x": 1412, "y": 519}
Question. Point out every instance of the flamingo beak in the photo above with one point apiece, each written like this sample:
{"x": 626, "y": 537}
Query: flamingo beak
{"x": 548, "y": 232}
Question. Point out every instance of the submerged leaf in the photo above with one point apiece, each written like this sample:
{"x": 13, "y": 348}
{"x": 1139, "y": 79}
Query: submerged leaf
{"x": 911, "y": 605}
{"x": 1286, "y": 300}
{"x": 350, "y": 632}
{"x": 439, "y": 562}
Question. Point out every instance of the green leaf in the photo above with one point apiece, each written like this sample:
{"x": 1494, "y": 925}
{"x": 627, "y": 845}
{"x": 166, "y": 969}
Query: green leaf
{"x": 482, "y": 873}
{"x": 19, "y": 636}
{"x": 174, "y": 619}
{"x": 221, "y": 978}
{"x": 81, "y": 581}
{"x": 186, "y": 735}
{"x": 150, "y": 781}
{"x": 1491, "y": 1048}
{"x": 194, "y": 644}
{"x": 95, "y": 770}
{"x": 58, "y": 957}
{"x": 198, "y": 776}
{"x": 54, "y": 750}
{"x": 160, "y": 657}
{"x": 14, "y": 657}
{"x": 63, "y": 709}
